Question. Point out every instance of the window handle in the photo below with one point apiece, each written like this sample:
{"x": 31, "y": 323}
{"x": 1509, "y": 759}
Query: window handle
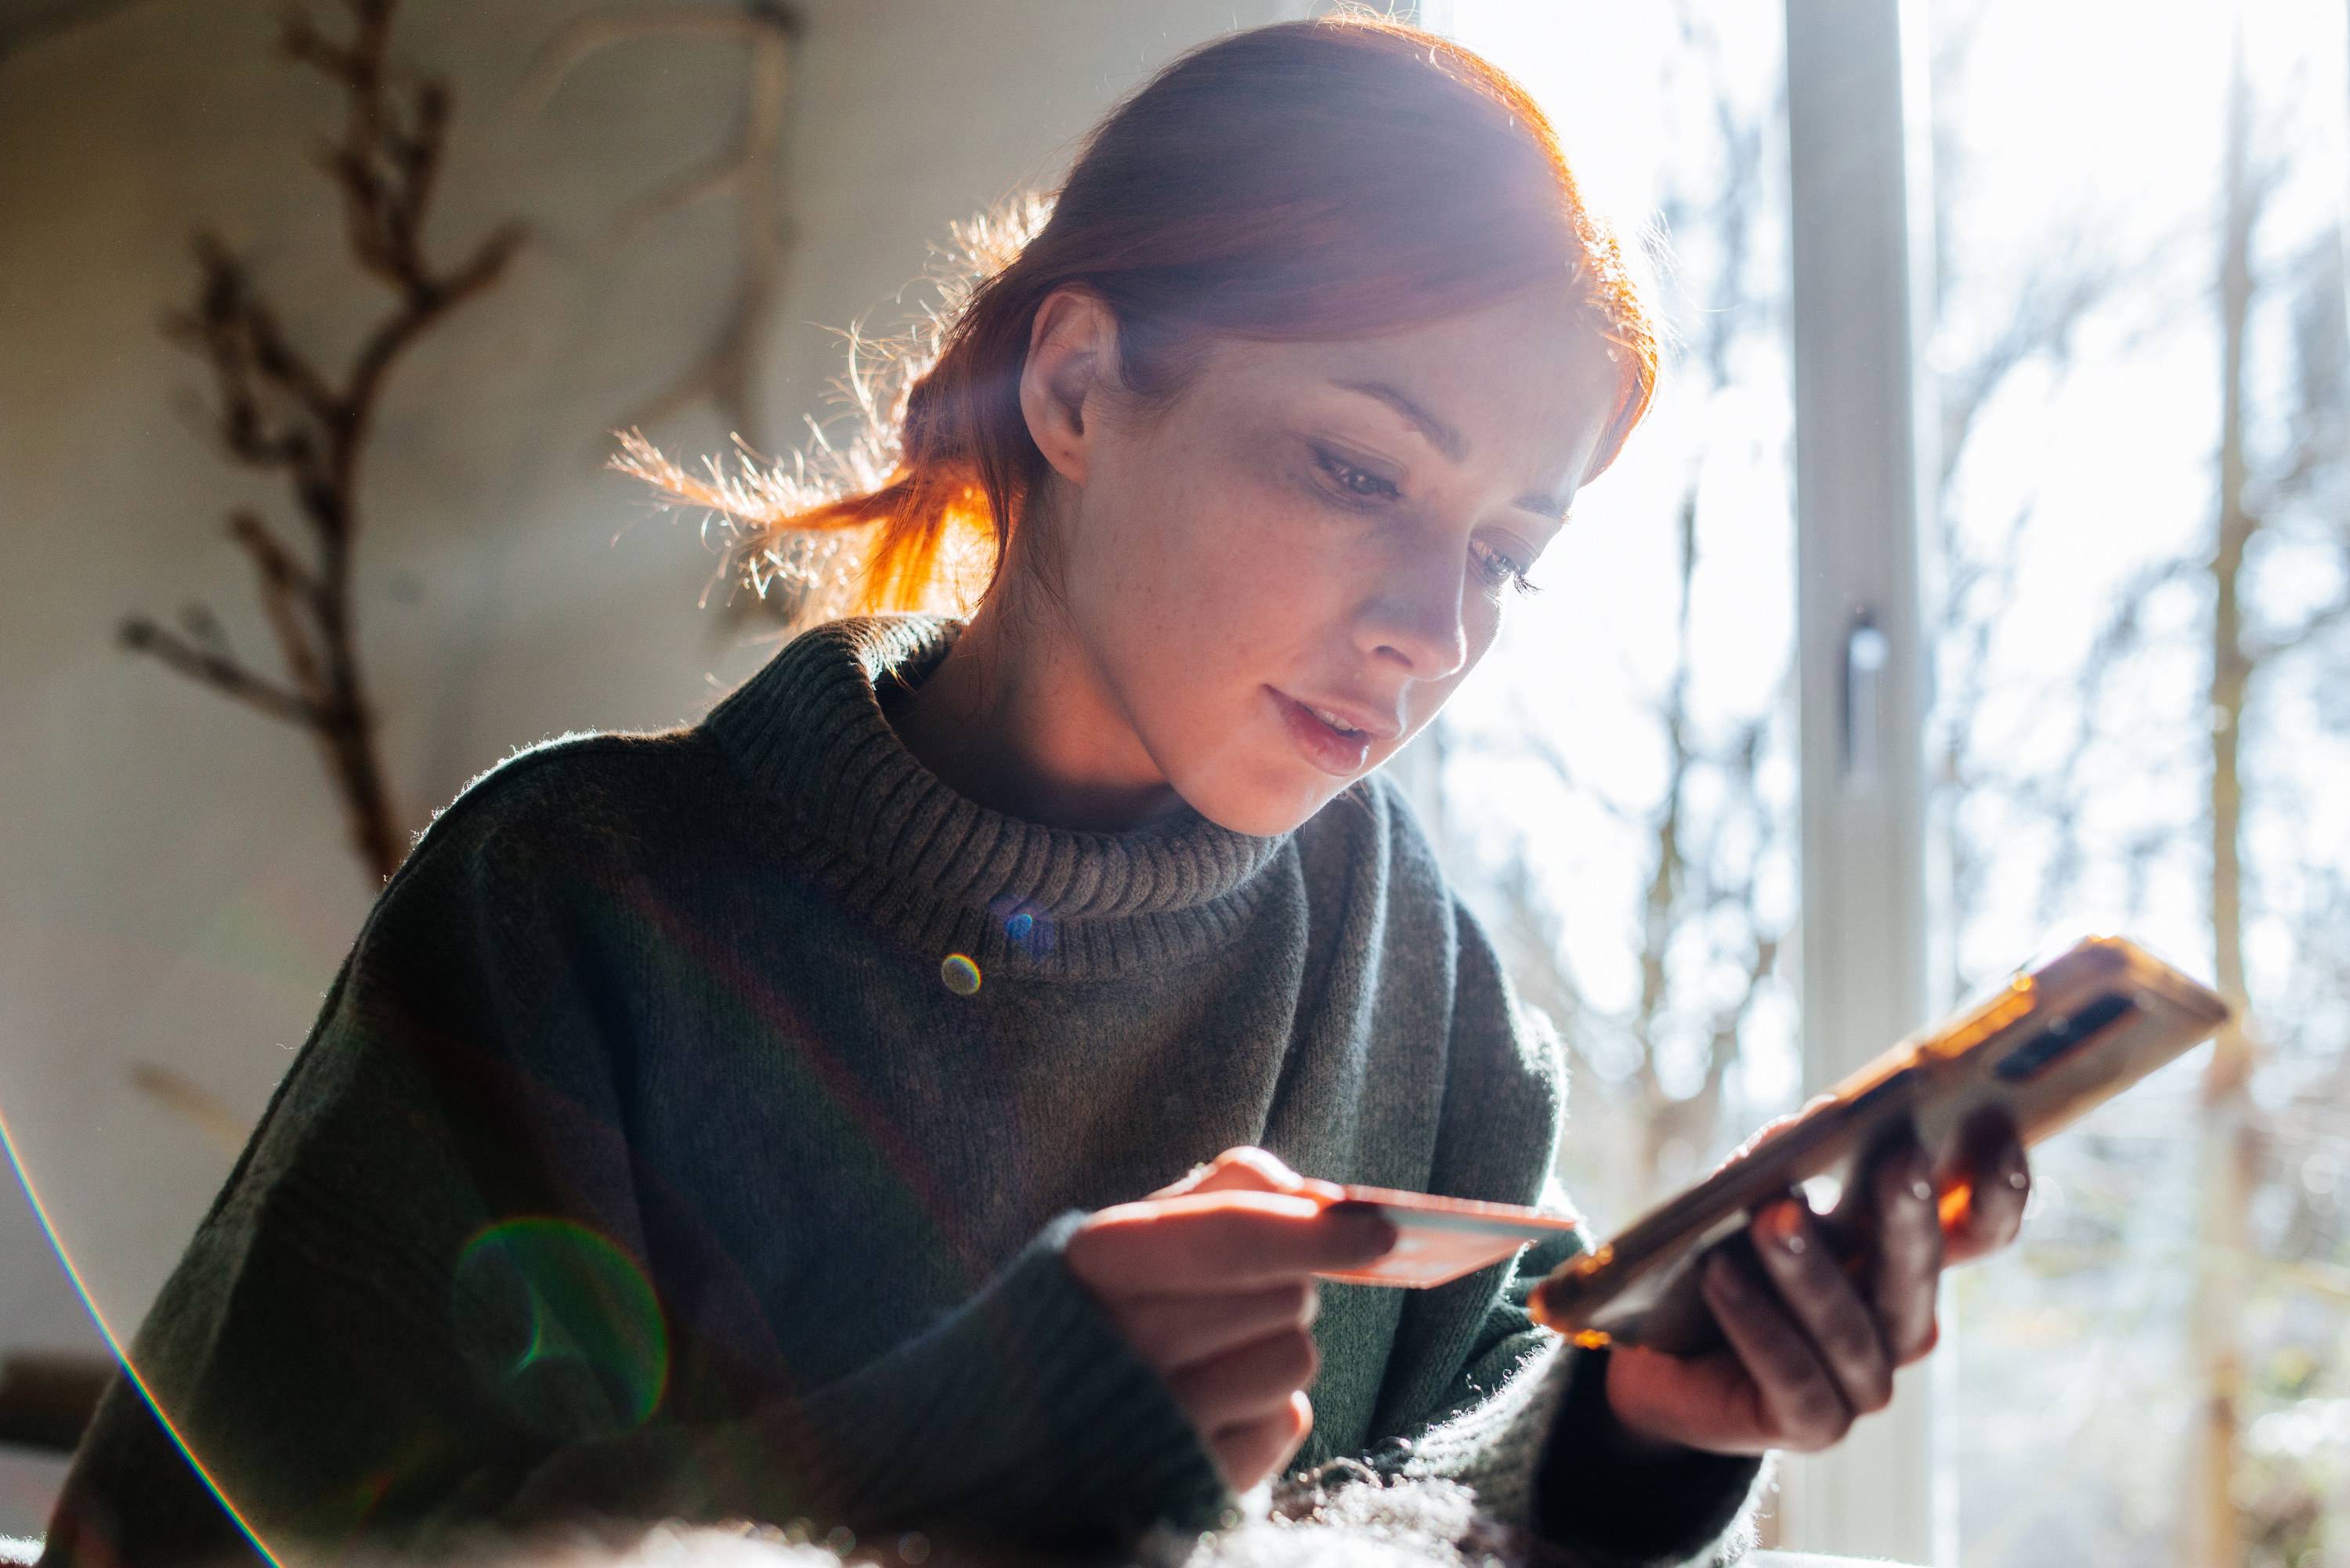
{"x": 1866, "y": 650}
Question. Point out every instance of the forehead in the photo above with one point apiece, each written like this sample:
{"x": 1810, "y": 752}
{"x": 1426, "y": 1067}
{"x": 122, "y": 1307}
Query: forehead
{"x": 1517, "y": 379}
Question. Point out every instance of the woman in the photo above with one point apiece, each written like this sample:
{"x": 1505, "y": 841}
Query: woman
{"x": 789, "y": 1117}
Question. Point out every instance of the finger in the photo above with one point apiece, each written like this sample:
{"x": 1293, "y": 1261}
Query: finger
{"x": 1796, "y": 1398}
{"x": 1821, "y": 1298}
{"x": 1908, "y": 1231}
{"x": 1215, "y": 1243}
{"x": 1246, "y": 1383}
{"x": 1171, "y": 1332}
{"x": 1986, "y": 1210}
{"x": 1243, "y": 1168}
{"x": 1248, "y": 1169}
{"x": 1248, "y": 1453}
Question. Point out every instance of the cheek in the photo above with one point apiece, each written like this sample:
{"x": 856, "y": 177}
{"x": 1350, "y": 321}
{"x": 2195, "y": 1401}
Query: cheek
{"x": 1210, "y": 550}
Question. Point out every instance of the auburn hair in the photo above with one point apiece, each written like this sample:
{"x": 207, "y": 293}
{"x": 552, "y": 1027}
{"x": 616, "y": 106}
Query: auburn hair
{"x": 1307, "y": 181}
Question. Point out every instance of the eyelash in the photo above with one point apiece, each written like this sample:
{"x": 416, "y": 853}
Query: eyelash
{"x": 1346, "y": 476}
{"x": 1361, "y": 485}
{"x": 1498, "y": 570}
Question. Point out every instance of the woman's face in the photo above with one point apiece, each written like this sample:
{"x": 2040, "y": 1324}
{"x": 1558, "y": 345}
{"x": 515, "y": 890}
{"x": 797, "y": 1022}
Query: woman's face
{"x": 1273, "y": 584}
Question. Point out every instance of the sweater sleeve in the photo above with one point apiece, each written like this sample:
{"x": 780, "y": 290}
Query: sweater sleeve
{"x": 1022, "y": 1419}
{"x": 1542, "y": 1449}
{"x": 434, "y": 1296}
{"x": 1525, "y": 1419}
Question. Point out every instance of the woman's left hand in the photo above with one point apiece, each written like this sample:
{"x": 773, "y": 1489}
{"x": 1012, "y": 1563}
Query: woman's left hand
{"x": 1812, "y": 1347}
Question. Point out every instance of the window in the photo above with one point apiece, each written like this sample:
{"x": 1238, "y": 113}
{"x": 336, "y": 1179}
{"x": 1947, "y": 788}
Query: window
{"x": 2161, "y": 1359}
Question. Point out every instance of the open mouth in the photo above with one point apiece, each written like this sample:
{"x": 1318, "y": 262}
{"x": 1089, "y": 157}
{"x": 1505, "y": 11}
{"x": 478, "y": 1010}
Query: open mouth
{"x": 1328, "y": 741}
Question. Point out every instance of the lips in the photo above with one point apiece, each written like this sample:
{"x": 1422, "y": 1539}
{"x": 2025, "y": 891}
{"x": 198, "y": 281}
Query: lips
{"x": 1335, "y": 740}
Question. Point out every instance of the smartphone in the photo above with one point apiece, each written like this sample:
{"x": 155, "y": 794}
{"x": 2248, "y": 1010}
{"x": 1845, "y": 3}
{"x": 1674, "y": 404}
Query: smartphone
{"x": 2041, "y": 1050}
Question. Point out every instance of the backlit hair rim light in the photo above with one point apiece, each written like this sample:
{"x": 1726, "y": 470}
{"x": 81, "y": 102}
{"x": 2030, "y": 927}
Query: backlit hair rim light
{"x": 1306, "y": 182}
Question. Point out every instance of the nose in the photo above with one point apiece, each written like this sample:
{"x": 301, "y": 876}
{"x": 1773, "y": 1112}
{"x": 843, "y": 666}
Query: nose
{"x": 1413, "y": 617}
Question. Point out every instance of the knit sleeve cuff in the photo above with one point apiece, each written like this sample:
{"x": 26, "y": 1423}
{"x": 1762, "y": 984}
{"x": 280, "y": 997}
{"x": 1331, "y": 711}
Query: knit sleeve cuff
{"x": 1617, "y": 1502}
{"x": 1492, "y": 1447}
{"x": 1025, "y": 1417}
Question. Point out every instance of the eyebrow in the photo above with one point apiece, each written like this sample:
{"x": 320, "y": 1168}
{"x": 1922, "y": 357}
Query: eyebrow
{"x": 1441, "y": 436}
{"x": 1447, "y": 440}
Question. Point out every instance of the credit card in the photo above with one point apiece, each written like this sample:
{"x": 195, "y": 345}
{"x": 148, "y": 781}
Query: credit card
{"x": 1440, "y": 1238}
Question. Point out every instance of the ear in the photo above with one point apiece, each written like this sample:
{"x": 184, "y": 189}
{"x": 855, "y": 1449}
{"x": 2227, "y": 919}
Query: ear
{"x": 1072, "y": 358}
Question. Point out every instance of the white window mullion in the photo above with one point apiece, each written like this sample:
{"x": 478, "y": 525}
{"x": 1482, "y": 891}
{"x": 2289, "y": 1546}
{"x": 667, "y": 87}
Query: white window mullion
{"x": 1858, "y": 184}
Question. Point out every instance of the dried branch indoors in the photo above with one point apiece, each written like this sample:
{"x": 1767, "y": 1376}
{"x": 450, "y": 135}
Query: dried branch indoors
{"x": 278, "y": 411}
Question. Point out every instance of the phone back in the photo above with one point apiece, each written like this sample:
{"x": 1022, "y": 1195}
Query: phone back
{"x": 2041, "y": 1051}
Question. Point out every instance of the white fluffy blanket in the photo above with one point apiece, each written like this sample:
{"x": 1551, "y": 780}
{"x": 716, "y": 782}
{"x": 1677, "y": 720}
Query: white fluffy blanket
{"x": 1406, "y": 1524}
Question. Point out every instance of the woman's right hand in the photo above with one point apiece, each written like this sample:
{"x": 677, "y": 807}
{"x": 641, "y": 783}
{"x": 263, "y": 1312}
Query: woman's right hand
{"x": 1211, "y": 1281}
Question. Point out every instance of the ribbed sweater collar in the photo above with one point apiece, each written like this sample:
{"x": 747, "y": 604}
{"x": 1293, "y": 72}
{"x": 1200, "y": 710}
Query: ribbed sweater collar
{"x": 945, "y": 871}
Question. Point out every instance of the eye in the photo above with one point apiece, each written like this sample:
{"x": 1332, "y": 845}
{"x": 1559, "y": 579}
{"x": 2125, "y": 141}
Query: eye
{"x": 1359, "y": 483}
{"x": 1498, "y": 570}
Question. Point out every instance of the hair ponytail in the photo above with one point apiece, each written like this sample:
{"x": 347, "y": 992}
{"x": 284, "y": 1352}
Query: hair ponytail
{"x": 1311, "y": 181}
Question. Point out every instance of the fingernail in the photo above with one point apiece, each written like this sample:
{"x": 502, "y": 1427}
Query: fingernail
{"x": 1786, "y": 1222}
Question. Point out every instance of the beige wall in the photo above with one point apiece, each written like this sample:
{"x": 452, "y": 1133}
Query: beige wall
{"x": 174, "y": 884}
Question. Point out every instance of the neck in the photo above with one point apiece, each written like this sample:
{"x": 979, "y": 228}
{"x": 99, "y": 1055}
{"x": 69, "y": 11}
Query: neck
{"x": 1017, "y": 720}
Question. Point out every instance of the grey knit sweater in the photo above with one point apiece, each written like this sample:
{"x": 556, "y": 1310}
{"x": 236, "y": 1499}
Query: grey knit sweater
{"x": 695, "y": 1124}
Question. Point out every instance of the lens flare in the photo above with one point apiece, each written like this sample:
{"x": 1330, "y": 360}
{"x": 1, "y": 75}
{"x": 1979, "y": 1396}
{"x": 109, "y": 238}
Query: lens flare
{"x": 961, "y": 975}
{"x": 900, "y": 1177}
{"x": 120, "y": 1352}
{"x": 1025, "y": 922}
{"x": 562, "y": 1326}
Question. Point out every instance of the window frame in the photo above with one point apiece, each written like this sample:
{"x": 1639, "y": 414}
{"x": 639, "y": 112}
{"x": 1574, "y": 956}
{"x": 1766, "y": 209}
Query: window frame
{"x": 1860, "y": 189}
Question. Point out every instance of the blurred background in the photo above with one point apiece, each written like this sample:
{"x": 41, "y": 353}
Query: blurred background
{"x": 2117, "y": 527}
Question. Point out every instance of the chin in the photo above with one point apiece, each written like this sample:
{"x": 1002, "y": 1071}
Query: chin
{"x": 1265, "y": 812}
